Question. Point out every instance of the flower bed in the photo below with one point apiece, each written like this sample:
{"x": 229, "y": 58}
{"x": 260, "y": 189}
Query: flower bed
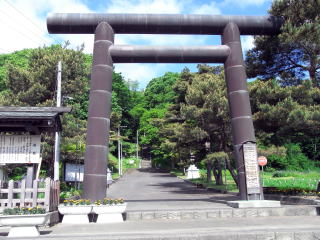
{"x": 79, "y": 202}
{"x": 75, "y": 211}
{"x": 23, "y": 211}
{"x": 107, "y": 209}
{"x": 24, "y": 221}
{"x": 109, "y": 201}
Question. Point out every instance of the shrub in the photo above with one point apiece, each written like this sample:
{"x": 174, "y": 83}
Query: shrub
{"x": 289, "y": 157}
{"x": 277, "y": 162}
{"x": 70, "y": 193}
{"x": 280, "y": 174}
{"x": 112, "y": 162}
{"x": 296, "y": 160}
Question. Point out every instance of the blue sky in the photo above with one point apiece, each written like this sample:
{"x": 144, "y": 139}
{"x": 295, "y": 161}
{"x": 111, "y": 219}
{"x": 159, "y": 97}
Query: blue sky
{"x": 23, "y": 25}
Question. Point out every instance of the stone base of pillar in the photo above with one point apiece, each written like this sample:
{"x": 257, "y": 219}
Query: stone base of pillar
{"x": 254, "y": 204}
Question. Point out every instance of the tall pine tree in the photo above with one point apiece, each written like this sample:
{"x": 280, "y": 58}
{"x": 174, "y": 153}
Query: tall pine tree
{"x": 294, "y": 54}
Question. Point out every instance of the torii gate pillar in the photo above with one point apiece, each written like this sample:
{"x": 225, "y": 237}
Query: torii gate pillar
{"x": 239, "y": 105}
{"x": 95, "y": 174}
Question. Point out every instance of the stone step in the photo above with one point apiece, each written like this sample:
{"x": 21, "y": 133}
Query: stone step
{"x": 189, "y": 214}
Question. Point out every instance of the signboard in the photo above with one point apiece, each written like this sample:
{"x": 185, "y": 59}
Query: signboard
{"x": 74, "y": 172}
{"x": 251, "y": 166}
{"x": 262, "y": 160}
{"x": 19, "y": 148}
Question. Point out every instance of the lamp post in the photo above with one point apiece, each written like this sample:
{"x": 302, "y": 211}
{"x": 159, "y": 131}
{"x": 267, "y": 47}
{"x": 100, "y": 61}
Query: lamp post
{"x": 120, "y": 151}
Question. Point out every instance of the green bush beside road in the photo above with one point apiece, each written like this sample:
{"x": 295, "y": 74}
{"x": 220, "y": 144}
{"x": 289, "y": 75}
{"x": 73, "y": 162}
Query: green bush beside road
{"x": 286, "y": 182}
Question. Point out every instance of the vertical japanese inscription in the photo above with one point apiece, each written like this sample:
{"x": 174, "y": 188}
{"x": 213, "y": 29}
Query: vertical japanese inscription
{"x": 19, "y": 148}
{"x": 251, "y": 165}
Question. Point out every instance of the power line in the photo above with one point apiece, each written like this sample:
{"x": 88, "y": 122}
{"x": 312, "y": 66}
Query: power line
{"x": 25, "y": 35}
{"x": 38, "y": 36}
{"x": 21, "y": 13}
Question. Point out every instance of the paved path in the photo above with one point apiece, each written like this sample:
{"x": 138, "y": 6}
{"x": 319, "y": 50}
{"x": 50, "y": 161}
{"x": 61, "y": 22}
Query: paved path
{"x": 146, "y": 189}
{"x": 270, "y": 228}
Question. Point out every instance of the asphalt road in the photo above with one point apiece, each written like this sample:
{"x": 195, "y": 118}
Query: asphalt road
{"x": 147, "y": 189}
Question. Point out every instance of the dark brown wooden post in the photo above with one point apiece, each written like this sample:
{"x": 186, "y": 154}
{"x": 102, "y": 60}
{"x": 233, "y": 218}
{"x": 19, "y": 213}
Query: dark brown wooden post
{"x": 239, "y": 103}
{"x": 95, "y": 167}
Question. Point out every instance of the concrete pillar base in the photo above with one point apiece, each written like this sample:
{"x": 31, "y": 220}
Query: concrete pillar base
{"x": 254, "y": 204}
{"x": 29, "y": 231}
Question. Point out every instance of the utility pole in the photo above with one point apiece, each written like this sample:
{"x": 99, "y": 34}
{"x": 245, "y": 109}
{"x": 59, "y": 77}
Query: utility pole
{"x": 119, "y": 160}
{"x": 57, "y": 134}
{"x": 120, "y": 151}
{"x": 138, "y": 148}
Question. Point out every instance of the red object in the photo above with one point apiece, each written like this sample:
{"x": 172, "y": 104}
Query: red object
{"x": 262, "y": 161}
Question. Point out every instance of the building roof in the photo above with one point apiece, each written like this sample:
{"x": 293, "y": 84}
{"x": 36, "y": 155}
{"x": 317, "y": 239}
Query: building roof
{"x": 31, "y": 119}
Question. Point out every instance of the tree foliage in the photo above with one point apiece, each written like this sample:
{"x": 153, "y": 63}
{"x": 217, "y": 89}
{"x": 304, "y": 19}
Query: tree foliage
{"x": 28, "y": 78}
{"x": 295, "y": 51}
{"x": 159, "y": 90}
{"x": 282, "y": 113}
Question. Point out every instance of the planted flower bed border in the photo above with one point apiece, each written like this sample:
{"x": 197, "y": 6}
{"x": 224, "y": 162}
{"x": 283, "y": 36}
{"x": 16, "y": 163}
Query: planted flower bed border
{"x": 24, "y": 221}
{"x": 108, "y": 210}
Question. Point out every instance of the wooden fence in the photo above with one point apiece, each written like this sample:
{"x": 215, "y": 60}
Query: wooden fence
{"x": 43, "y": 193}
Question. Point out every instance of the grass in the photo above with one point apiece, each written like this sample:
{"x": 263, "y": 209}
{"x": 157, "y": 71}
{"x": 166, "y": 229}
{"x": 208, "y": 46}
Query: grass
{"x": 230, "y": 186}
{"x": 115, "y": 175}
{"x": 128, "y": 163}
{"x": 281, "y": 180}
{"x": 307, "y": 180}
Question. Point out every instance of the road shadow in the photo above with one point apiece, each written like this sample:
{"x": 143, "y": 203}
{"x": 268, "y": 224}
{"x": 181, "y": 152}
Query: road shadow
{"x": 45, "y": 232}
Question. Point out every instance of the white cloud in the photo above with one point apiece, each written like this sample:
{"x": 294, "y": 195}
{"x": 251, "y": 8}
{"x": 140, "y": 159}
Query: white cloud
{"x": 142, "y": 73}
{"x": 247, "y": 43}
{"x": 23, "y": 23}
{"x": 20, "y": 29}
{"x": 144, "y": 6}
{"x": 210, "y": 8}
{"x": 245, "y": 3}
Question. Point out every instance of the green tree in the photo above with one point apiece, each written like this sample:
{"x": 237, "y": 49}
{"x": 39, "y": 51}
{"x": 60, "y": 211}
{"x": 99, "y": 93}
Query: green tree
{"x": 159, "y": 90}
{"x": 19, "y": 58}
{"x": 285, "y": 115}
{"x": 28, "y": 78}
{"x": 200, "y": 114}
{"x": 150, "y": 124}
{"x": 295, "y": 51}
